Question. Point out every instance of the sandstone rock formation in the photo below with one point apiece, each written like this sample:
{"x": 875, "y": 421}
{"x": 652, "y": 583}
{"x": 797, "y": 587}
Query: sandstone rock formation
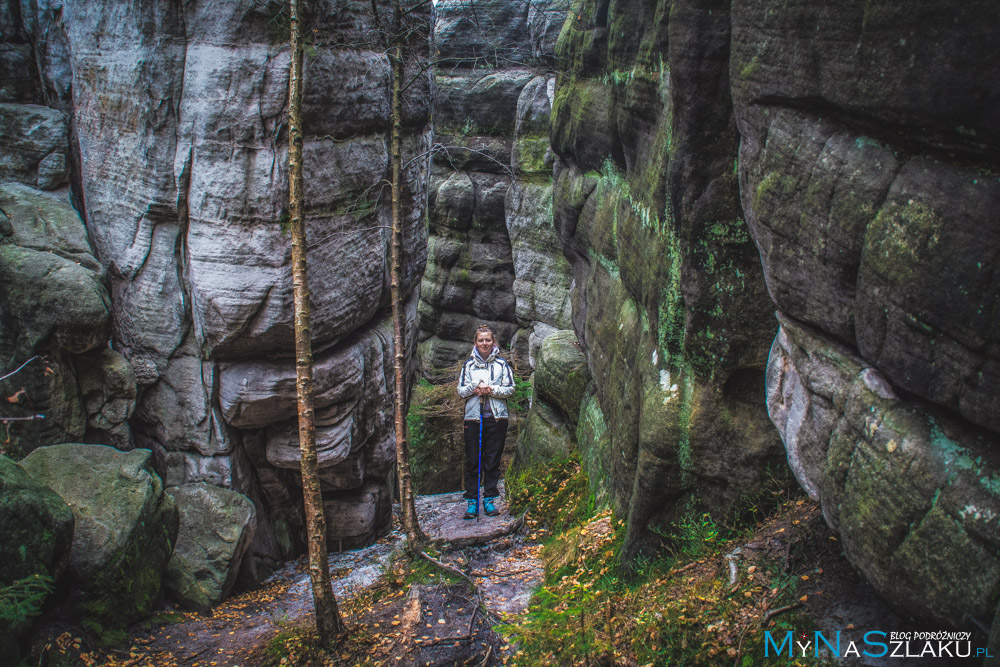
{"x": 668, "y": 298}
{"x": 33, "y": 145}
{"x": 215, "y": 530}
{"x": 37, "y": 530}
{"x": 55, "y": 308}
{"x": 125, "y": 527}
{"x": 178, "y": 150}
{"x": 492, "y": 253}
{"x": 868, "y": 138}
{"x": 560, "y": 383}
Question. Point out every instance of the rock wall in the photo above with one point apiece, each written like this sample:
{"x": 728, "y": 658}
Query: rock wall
{"x": 55, "y": 319}
{"x": 178, "y": 156}
{"x": 669, "y": 302}
{"x": 493, "y": 256}
{"x": 868, "y": 179}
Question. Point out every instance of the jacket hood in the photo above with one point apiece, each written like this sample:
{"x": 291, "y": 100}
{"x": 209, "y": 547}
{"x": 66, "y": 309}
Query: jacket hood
{"x": 479, "y": 360}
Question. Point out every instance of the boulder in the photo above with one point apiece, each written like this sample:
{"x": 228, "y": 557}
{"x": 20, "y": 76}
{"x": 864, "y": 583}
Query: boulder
{"x": 545, "y": 436}
{"x": 36, "y": 524}
{"x": 125, "y": 527}
{"x": 216, "y": 528}
{"x": 53, "y": 286}
{"x": 911, "y": 490}
{"x": 37, "y": 530}
{"x": 54, "y": 303}
{"x": 561, "y": 375}
{"x": 34, "y": 141}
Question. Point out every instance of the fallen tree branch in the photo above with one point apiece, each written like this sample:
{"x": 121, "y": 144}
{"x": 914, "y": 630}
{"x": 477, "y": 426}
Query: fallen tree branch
{"x": 685, "y": 568}
{"x": 448, "y": 568}
{"x": 780, "y": 610}
{"x": 505, "y": 574}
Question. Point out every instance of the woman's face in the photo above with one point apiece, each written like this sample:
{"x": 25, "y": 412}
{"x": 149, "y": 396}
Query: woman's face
{"x": 484, "y": 343}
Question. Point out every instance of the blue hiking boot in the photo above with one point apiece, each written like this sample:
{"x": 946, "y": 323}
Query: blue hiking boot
{"x": 491, "y": 509}
{"x": 472, "y": 509}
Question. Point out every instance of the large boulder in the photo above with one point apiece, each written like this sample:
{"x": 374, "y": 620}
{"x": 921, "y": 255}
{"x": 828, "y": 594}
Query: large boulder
{"x": 560, "y": 383}
{"x": 53, "y": 287}
{"x": 36, "y": 524}
{"x": 216, "y": 528}
{"x": 562, "y": 375}
{"x": 37, "y": 530}
{"x": 911, "y": 490}
{"x": 544, "y": 437}
{"x": 125, "y": 527}
{"x": 53, "y": 302}
{"x": 868, "y": 135}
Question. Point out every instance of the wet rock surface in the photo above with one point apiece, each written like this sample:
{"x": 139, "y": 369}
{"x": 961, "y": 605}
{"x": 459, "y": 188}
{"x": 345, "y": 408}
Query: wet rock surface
{"x": 37, "y": 529}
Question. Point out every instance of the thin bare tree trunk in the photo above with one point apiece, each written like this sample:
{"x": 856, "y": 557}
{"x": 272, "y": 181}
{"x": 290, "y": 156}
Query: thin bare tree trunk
{"x": 415, "y": 537}
{"x": 328, "y": 622}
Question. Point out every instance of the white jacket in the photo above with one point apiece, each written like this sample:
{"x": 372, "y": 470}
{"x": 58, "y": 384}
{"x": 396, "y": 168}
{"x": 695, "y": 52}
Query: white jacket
{"x": 495, "y": 372}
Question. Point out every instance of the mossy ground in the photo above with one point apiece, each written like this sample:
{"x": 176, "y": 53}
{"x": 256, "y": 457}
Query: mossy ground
{"x": 680, "y": 609}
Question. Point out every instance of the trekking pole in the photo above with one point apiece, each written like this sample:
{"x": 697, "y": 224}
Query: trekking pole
{"x": 479, "y": 473}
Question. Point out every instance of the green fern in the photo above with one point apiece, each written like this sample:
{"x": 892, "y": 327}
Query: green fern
{"x": 23, "y": 599}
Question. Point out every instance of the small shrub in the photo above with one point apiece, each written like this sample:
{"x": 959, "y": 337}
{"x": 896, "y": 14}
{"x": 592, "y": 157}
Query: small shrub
{"x": 22, "y": 600}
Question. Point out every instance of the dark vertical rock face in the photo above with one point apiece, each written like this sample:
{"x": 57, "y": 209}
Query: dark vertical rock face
{"x": 178, "y": 118}
{"x": 868, "y": 179}
{"x": 493, "y": 256}
{"x": 668, "y": 300}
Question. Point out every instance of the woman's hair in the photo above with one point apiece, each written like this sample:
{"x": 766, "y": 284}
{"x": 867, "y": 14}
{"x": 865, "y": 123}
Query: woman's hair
{"x": 482, "y": 328}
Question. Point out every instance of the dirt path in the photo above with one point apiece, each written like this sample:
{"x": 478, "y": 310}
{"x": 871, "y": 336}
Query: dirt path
{"x": 236, "y": 633}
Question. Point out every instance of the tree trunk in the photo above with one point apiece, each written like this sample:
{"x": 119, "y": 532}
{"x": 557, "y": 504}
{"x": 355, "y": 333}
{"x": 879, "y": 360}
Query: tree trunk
{"x": 328, "y": 622}
{"x": 415, "y": 538}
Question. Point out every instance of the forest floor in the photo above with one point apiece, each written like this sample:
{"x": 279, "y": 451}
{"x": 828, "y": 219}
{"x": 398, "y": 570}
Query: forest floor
{"x": 709, "y": 607}
{"x": 397, "y": 612}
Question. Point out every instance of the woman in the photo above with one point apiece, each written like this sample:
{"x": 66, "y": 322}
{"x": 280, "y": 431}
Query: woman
{"x": 485, "y": 382}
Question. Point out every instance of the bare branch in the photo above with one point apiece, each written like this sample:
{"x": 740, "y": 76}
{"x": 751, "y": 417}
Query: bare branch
{"x": 21, "y": 419}
{"x": 18, "y": 369}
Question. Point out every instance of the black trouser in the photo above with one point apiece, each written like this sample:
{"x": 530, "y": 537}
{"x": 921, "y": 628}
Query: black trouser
{"x": 494, "y": 434}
